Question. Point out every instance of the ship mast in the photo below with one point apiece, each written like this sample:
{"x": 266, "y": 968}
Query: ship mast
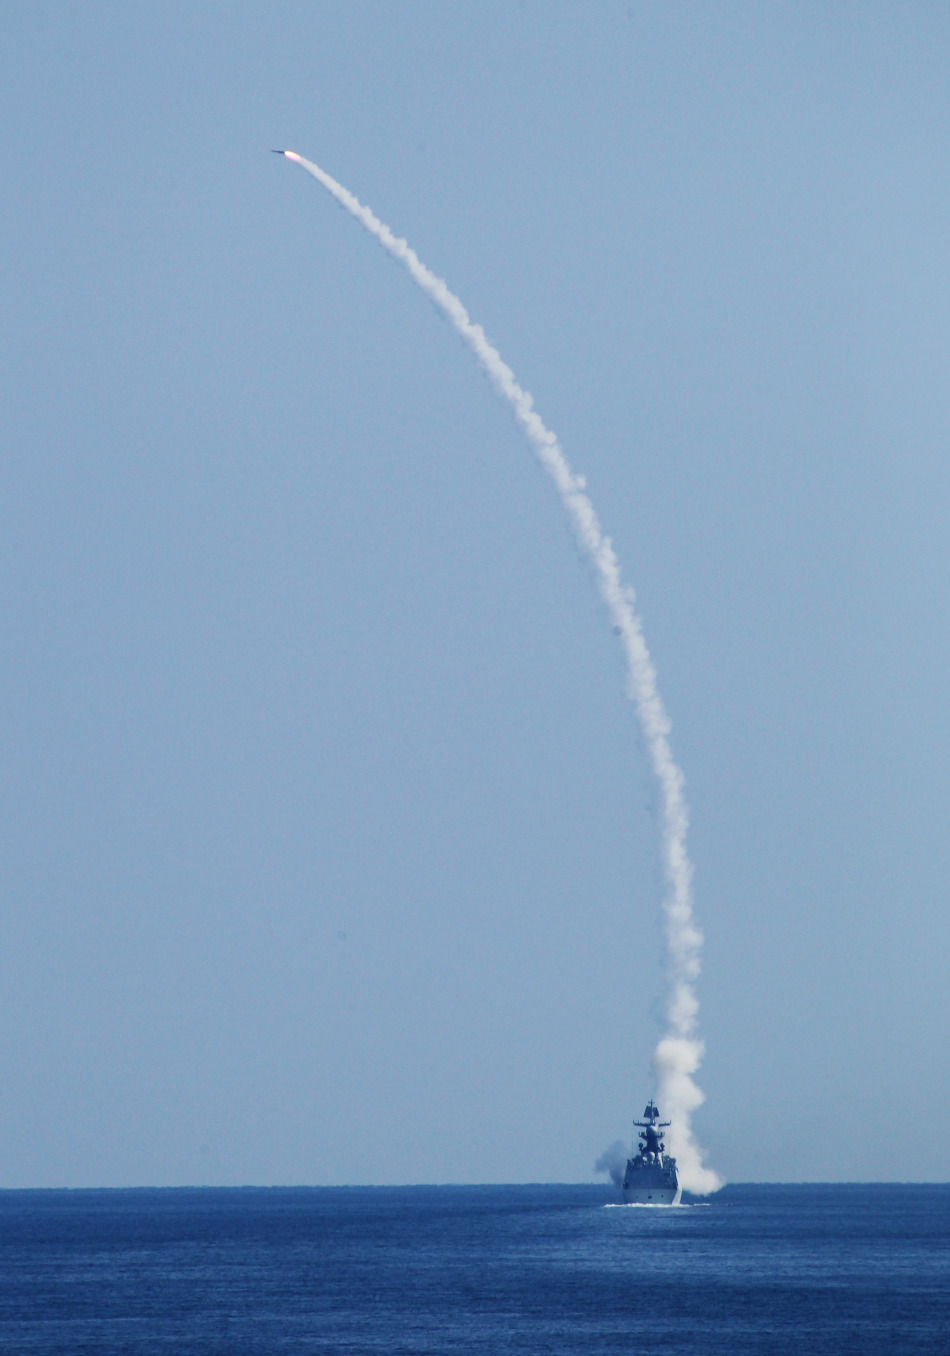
{"x": 651, "y": 1143}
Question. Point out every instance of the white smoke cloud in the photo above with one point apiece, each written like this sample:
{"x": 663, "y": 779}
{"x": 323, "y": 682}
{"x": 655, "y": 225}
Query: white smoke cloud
{"x": 675, "y": 1060}
{"x": 678, "y": 1054}
{"x": 614, "y": 1161}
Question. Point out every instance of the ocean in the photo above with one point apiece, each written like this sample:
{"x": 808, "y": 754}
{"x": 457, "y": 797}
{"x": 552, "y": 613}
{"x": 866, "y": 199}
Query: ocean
{"x": 526, "y": 1269}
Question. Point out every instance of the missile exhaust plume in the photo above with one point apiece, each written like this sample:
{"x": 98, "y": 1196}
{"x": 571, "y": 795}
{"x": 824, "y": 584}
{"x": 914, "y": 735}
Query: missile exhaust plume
{"x": 679, "y": 1052}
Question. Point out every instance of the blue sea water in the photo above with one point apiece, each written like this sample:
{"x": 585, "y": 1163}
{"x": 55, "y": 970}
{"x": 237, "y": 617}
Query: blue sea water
{"x": 778, "y": 1269}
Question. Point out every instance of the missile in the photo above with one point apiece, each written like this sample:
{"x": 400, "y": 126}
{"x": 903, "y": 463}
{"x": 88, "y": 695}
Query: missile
{"x": 273, "y": 152}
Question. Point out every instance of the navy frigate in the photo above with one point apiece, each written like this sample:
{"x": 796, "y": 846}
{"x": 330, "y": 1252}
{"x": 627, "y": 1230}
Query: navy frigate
{"x": 650, "y": 1177}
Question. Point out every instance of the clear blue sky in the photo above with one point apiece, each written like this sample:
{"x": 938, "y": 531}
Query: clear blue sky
{"x": 328, "y": 847}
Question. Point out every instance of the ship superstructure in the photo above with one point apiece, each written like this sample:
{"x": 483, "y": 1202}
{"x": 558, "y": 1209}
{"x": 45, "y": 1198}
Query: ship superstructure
{"x": 650, "y": 1177}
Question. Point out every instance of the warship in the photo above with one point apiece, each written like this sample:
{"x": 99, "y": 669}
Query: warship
{"x": 650, "y": 1177}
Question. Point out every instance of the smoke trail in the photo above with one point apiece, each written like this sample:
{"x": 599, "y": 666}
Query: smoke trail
{"x": 678, "y": 1054}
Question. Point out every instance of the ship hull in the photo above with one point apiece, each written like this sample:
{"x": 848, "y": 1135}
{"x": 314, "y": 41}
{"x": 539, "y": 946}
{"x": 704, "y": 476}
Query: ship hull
{"x": 651, "y": 1181}
{"x": 639, "y": 1195}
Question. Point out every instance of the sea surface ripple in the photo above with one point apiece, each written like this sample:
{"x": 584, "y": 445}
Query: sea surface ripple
{"x": 526, "y": 1269}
